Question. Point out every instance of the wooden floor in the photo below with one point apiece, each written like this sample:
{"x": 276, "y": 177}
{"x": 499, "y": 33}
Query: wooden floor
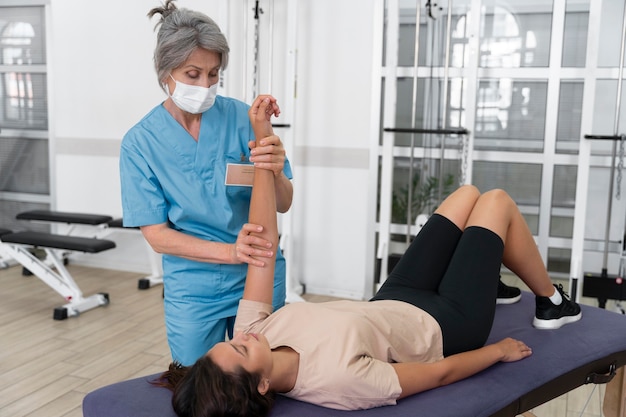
{"x": 47, "y": 366}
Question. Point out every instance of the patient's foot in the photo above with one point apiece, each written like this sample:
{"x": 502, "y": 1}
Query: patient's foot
{"x": 507, "y": 295}
{"x": 551, "y": 316}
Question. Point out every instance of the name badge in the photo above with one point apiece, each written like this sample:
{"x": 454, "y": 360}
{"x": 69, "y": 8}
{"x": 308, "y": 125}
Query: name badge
{"x": 241, "y": 175}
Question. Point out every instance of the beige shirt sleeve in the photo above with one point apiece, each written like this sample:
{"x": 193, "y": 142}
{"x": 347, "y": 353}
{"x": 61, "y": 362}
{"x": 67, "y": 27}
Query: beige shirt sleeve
{"x": 251, "y": 314}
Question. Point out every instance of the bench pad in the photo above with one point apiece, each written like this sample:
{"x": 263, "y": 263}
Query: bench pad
{"x": 64, "y": 217}
{"x": 49, "y": 240}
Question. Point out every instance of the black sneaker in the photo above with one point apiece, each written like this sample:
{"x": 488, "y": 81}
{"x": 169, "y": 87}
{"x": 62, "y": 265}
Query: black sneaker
{"x": 550, "y": 316}
{"x": 507, "y": 295}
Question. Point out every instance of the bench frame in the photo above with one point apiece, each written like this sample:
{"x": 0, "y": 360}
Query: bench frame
{"x": 60, "y": 280}
{"x": 104, "y": 224}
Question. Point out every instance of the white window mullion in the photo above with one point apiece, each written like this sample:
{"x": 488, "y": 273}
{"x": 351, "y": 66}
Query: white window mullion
{"x": 584, "y": 153}
{"x": 552, "y": 108}
{"x": 377, "y": 50}
{"x": 472, "y": 86}
{"x": 386, "y": 152}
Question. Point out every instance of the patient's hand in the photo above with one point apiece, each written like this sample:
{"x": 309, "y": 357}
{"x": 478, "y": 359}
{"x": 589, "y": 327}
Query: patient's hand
{"x": 267, "y": 151}
{"x": 513, "y": 350}
{"x": 260, "y": 113}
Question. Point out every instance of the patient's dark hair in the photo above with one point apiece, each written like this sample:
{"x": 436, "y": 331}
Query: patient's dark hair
{"x": 205, "y": 390}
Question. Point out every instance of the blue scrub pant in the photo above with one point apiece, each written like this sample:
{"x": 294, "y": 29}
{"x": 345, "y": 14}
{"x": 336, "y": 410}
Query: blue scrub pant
{"x": 190, "y": 341}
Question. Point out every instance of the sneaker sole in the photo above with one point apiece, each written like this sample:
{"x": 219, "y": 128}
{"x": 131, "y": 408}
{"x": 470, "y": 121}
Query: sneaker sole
{"x": 555, "y": 323}
{"x": 508, "y": 300}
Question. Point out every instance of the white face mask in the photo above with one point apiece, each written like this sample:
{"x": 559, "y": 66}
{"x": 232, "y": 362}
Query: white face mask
{"x": 192, "y": 98}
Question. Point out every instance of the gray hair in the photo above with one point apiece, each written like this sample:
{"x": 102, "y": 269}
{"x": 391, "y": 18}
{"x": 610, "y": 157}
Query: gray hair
{"x": 183, "y": 31}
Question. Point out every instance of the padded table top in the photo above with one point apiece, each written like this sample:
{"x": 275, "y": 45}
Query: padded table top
{"x": 49, "y": 240}
{"x": 64, "y": 217}
{"x": 599, "y": 338}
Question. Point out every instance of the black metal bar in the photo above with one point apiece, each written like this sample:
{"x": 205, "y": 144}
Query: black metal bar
{"x": 448, "y": 131}
{"x": 280, "y": 125}
{"x": 257, "y": 9}
{"x": 609, "y": 137}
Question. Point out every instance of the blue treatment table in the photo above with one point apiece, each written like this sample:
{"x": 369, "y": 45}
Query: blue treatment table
{"x": 588, "y": 351}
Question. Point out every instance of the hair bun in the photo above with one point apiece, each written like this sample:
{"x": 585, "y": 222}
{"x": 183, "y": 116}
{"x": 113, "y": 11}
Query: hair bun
{"x": 165, "y": 10}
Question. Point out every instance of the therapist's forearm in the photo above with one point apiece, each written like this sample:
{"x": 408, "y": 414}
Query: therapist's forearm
{"x": 166, "y": 240}
{"x": 284, "y": 193}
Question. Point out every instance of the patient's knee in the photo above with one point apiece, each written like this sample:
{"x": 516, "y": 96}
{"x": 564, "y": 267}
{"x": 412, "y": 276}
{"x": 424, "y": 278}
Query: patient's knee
{"x": 497, "y": 196}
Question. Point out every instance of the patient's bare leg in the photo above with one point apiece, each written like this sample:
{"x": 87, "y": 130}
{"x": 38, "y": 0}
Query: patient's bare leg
{"x": 496, "y": 211}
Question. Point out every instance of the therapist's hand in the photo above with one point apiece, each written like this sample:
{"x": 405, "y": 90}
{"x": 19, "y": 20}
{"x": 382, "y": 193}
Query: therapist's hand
{"x": 251, "y": 249}
{"x": 268, "y": 153}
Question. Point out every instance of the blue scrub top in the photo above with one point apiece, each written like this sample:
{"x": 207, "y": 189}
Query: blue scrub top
{"x": 166, "y": 176}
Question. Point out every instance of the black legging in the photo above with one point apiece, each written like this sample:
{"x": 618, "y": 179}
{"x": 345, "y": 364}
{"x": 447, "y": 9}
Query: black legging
{"x": 452, "y": 275}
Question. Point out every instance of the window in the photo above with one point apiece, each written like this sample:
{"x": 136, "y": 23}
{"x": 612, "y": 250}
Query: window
{"x": 23, "y": 77}
{"x": 24, "y": 166}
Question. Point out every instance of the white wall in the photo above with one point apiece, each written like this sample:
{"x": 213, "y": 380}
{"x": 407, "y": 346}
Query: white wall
{"x": 334, "y": 90}
{"x": 102, "y": 82}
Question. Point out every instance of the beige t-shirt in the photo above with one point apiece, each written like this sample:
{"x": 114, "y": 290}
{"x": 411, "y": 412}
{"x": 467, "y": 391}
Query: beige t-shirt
{"x": 346, "y": 347}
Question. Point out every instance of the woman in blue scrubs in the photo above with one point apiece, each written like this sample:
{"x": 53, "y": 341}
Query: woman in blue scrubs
{"x": 186, "y": 174}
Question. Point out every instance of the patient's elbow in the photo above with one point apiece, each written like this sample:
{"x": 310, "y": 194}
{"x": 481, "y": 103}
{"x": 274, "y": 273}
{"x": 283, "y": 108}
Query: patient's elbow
{"x": 446, "y": 376}
{"x": 446, "y": 380}
{"x": 284, "y": 208}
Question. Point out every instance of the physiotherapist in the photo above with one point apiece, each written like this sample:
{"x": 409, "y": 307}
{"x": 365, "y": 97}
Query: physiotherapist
{"x": 186, "y": 172}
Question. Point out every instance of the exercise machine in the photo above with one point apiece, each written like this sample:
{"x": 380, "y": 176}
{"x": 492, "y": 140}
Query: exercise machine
{"x": 19, "y": 246}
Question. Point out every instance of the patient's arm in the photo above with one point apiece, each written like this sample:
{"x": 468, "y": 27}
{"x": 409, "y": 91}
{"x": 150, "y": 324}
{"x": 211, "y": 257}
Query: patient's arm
{"x": 260, "y": 279}
{"x": 416, "y": 377}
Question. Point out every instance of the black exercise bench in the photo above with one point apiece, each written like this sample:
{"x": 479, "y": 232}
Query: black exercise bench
{"x": 104, "y": 223}
{"x": 19, "y": 245}
{"x": 64, "y": 217}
